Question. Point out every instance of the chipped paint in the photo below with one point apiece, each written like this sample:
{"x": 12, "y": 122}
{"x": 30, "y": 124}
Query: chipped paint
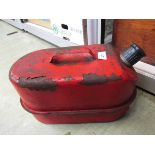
{"x": 92, "y": 79}
{"x": 38, "y": 83}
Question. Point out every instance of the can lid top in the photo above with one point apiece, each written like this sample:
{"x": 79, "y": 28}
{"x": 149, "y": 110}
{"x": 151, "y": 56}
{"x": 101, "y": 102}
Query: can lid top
{"x": 49, "y": 67}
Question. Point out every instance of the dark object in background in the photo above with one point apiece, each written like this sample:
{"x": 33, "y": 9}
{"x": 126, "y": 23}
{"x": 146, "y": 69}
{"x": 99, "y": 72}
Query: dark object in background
{"x": 76, "y": 84}
{"x": 24, "y": 20}
{"x": 12, "y": 33}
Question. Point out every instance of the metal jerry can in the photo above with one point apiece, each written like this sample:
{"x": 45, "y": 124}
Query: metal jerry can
{"x": 79, "y": 84}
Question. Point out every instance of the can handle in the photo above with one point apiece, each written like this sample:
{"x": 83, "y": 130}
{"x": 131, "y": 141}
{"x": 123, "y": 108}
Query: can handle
{"x": 71, "y": 58}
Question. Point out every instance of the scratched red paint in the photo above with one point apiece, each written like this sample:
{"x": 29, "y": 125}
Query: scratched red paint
{"x": 80, "y": 81}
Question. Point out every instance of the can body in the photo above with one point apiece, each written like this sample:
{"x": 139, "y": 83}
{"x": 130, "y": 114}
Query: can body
{"x": 75, "y": 84}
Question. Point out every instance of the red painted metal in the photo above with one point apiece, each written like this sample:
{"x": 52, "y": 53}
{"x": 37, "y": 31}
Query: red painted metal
{"x": 71, "y": 85}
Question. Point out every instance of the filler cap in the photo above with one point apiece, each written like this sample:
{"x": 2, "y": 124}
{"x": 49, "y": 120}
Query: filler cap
{"x": 132, "y": 55}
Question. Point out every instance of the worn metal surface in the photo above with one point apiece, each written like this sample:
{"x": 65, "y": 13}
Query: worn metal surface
{"x": 91, "y": 79}
{"x": 73, "y": 78}
{"x": 37, "y": 83}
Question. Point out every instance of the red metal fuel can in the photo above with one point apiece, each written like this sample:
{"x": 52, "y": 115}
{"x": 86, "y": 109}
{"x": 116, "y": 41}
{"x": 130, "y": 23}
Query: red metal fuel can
{"x": 89, "y": 83}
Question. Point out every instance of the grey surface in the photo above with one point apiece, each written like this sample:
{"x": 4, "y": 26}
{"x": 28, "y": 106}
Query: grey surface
{"x": 108, "y": 30}
{"x": 108, "y": 26}
{"x": 14, "y": 120}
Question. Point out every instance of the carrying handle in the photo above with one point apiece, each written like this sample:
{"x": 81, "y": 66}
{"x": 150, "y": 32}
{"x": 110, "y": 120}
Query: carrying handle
{"x": 71, "y": 58}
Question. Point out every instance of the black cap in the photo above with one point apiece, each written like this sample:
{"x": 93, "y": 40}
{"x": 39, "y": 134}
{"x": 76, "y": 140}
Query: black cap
{"x": 132, "y": 55}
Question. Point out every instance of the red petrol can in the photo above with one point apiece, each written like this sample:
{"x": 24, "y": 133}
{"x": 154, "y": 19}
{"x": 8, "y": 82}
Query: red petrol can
{"x": 90, "y": 83}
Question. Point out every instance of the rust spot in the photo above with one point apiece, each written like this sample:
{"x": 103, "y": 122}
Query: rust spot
{"x": 92, "y": 79}
{"x": 38, "y": 83}
{"x": 88, "y": 59}
{"x": 114, "y": 77}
